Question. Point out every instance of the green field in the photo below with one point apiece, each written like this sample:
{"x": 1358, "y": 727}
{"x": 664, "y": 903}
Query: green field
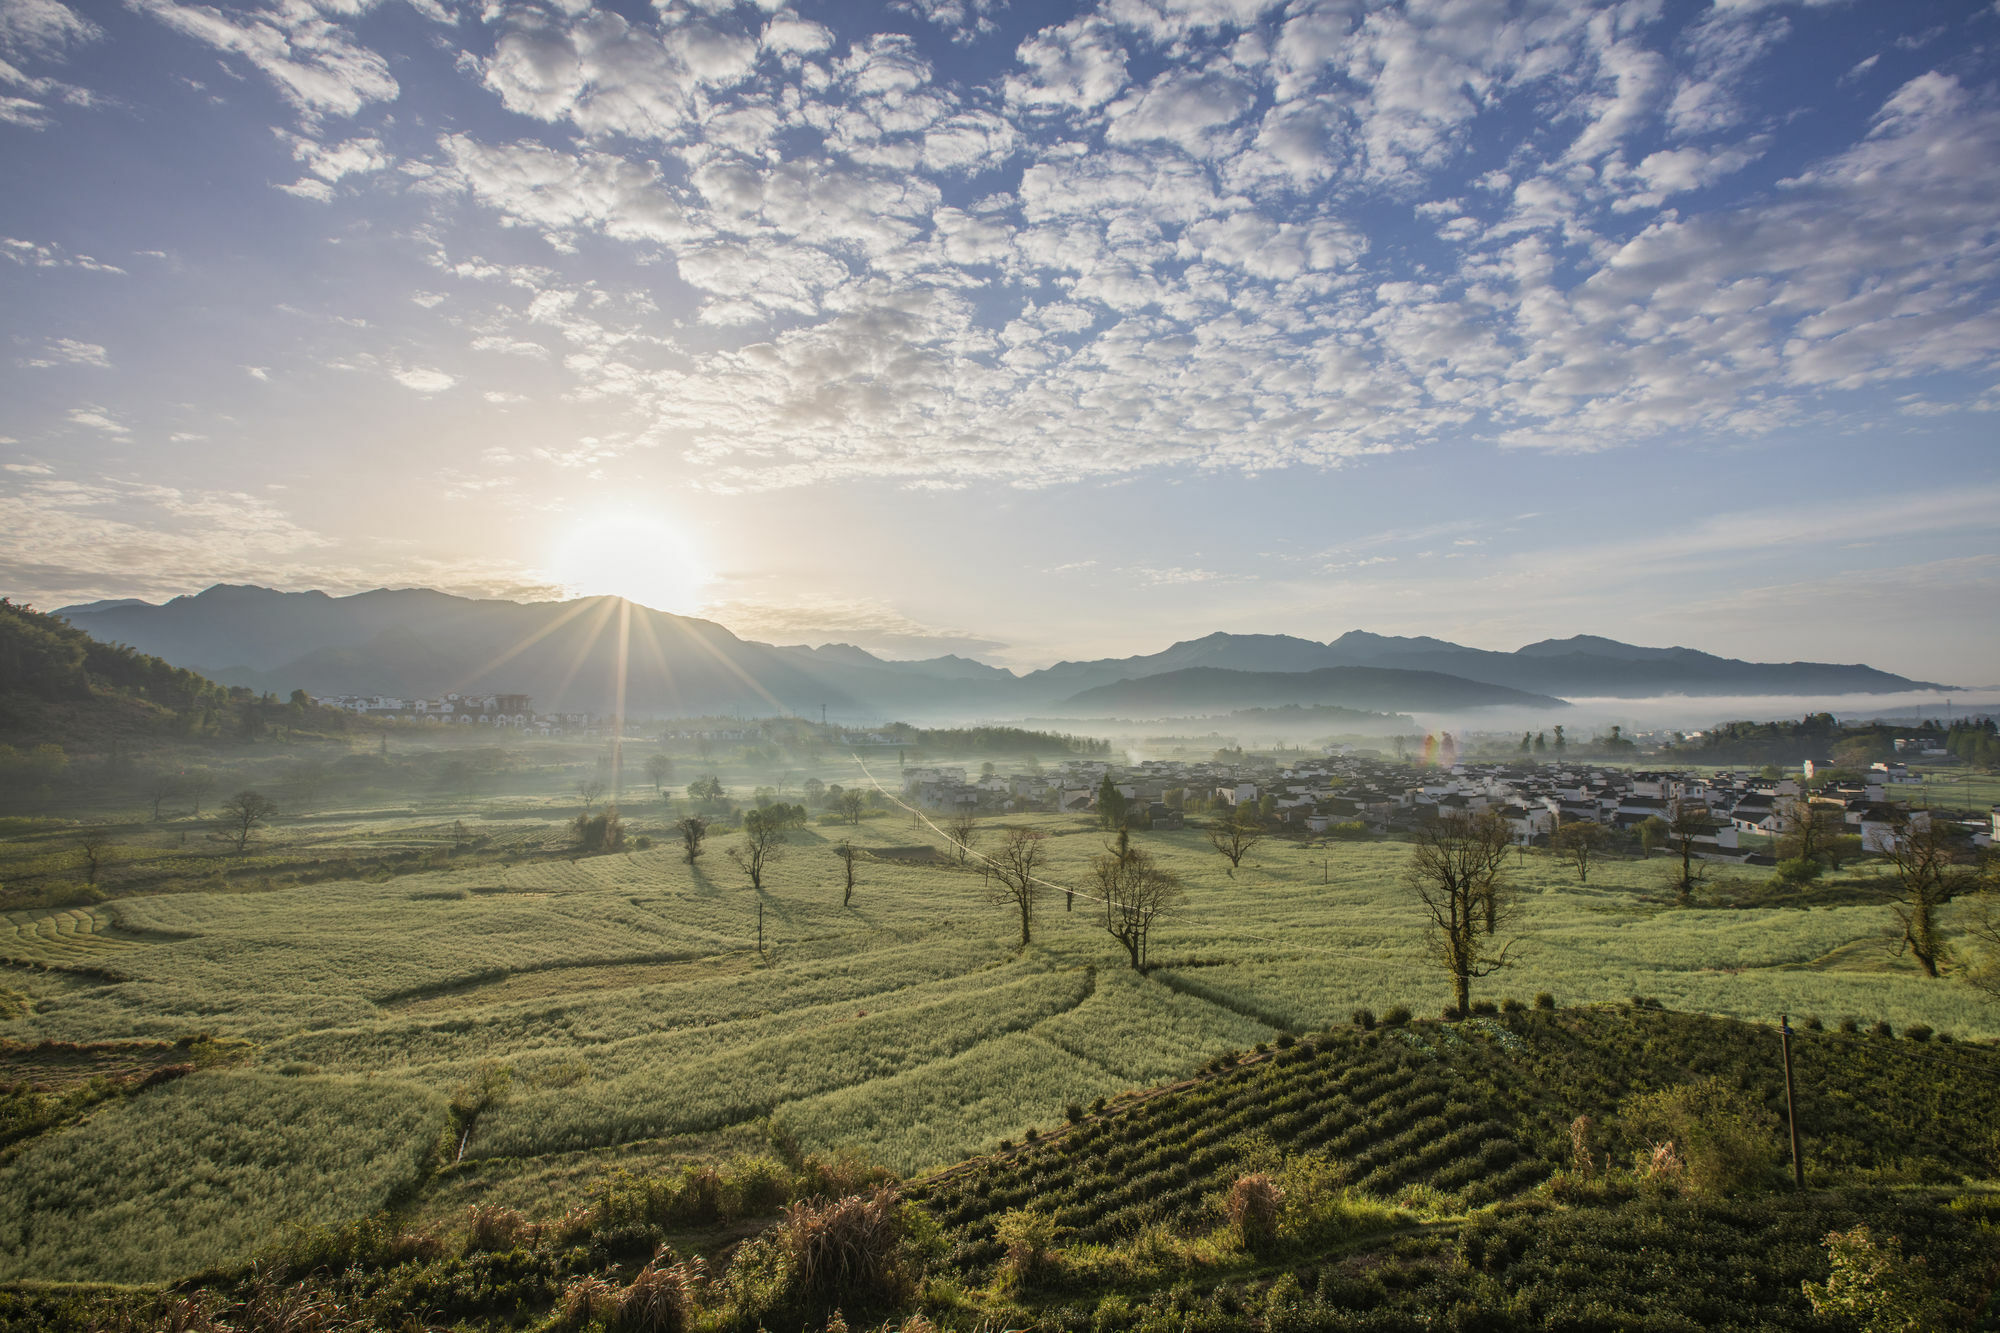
{"x": 626, "y": 996}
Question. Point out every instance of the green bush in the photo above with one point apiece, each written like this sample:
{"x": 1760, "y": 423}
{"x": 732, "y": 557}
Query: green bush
{"x": 1706, "y": 1137}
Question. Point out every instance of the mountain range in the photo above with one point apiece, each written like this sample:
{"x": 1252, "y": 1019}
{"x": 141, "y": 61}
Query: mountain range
{"x": 415, "y": 642}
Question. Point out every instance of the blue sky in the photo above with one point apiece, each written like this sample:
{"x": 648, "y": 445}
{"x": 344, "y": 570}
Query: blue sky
{"x": 1022, "y": 330}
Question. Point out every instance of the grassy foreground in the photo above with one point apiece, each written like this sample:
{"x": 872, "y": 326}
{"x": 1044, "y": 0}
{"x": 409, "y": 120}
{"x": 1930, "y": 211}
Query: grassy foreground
{"x": 1503, "y": 1173}
{"x": 549, "y": 1019}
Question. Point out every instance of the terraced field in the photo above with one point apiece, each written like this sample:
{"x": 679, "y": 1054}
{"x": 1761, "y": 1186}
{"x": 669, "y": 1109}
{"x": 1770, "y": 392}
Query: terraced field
{"x": 629, "y": 1005}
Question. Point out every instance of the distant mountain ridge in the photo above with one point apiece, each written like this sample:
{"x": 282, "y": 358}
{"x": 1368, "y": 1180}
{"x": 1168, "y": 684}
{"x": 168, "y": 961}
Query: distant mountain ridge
{"x": 417, "y": 642}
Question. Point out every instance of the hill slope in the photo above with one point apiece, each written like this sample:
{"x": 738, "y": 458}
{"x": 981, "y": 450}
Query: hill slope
{"x": 1430, "y": 1176}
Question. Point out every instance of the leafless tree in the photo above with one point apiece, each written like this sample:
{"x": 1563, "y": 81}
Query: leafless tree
{"x": 242, "y": 815}
{"x": 161, "y": 786}
{"x": 197, "y": 783}
{"x": 1924, "y": 855}
{"x": 93, "y": 849}
{"x": 763, "y": 836}
{"x": 1691, "y": 822}
{"x": 590, "y": 791}
{"x": 1236, "y": 834}
{"x": 692, "y": 829}
{"x": 845, "y": 851}
{"x": 1810, "y": 829}
{"x": 1137, "y": 892}
{"x": 850, "y": 805}
{"x": 307, "y": 781}
{"x": 1456, "y": 871}
{"x": 962, "y": 828}
{"x": 1581, "y": 840}
{"x": 1015, "y": 871}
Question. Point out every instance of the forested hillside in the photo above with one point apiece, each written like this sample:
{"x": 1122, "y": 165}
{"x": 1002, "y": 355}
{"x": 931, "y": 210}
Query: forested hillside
{"x": 60, "y": 686}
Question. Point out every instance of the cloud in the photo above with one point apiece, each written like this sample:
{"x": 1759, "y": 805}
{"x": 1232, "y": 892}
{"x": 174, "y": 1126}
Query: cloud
{"x": 42, "y": 27}
{"x": 423, "y": 379}
{"x": 1189, "y": 110}
{"x": 314, "y": 63}
{"x": 40, "y": 254}
{"x": 61, "y": 540}
{"x": 70, "y": 352}
{"x": 536, "y": 186}
{"x": 865, "y": 622}
{"x": 97, "y": 418}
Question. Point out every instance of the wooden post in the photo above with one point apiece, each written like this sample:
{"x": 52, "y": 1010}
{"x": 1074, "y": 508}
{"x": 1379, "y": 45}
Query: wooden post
{"x": 1791, "y": 1104}
{"x": 760, "y": 926}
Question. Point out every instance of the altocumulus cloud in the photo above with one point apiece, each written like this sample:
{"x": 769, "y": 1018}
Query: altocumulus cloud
{"x": 1207, "y": 234}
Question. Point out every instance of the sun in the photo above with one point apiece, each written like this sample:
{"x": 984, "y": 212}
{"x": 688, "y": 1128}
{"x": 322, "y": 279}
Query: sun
{"x": 641, "y": 557}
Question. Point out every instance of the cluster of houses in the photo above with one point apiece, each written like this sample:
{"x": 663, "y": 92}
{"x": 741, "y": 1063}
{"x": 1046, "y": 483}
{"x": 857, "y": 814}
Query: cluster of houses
{"x": 510, "y": 711}
{"x": 1322, "y": 795}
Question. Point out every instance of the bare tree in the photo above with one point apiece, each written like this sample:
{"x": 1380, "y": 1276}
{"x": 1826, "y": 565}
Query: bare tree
{"x": 1926, "y": 860}
{"x": 590, "y": 791}
{"x": 196, "y": 784}
{"x": 1455, "y": 869}
{"x": 242, "y": 815}
{"x": 845, "y": 851}
{"x": 962, "y": 828}
{"x": 1235, "y": 835}
{"x": 1136, "y": 893}
{"x": 850, "y": 806}
{"x": 1984, "y": 924}
{"x": 93, "y": 849}
{"x": 763, "y": 834}
{"x": 1014, "y": 873}
{"x": 692, "y": 828}
{"x": 1691, "y": 823}
{"x": 1581, "y": 841}
{"x": 160, "y": 786}
{"x": 1810, "y": 829}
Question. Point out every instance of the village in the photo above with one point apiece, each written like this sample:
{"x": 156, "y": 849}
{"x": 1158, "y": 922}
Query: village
{"x": 1353, "y": 796}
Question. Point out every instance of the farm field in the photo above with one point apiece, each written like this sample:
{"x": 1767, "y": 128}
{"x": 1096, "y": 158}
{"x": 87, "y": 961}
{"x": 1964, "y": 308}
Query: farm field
{"x": 592, "y": 1012}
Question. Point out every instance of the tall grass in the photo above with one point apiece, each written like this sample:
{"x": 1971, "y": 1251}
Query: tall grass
{"x": 203, "y": 1171}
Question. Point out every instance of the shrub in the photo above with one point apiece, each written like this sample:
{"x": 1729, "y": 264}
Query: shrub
{"x": 585, "y": 1301}
{"x": 1098, "y": 1105}
{"x": 1252, "y": 1209}
{"x": 845, "y": 1252}
{"x": 1510, "y": 1005}
{"x": 1027, "y": 1236}
{"x": 1364, "y": 1018}
{"x": 644, "y": 842}
{"x": 1286, "y": 1041}
{"x": 1918, "y": 1032}
{"x": 1811, "y": 1023}
{"x": 659, "y": 1298}
{"x": 1544, "y": 1000}
{"x": 492, "y": 1229}
{"x": 1032, "y": 1135}
{"x": 1799, "y": 871}
{"x": 1882, "y": 1029}
{"x": 1871, "y": 1284}
{"x": 1451, "y": 1015}
{"x": 1485, "y": 1007}
{"x": 1396, "y": 1017}
{"x": 1072, "y": 1113}
{"x": 1006, "y": 1145}
{"x": 1709, "y": 1138}
{"x": 1850, "y": 1025}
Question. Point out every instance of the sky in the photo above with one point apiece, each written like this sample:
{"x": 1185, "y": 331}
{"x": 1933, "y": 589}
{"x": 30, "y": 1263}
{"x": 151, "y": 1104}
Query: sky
{"x": 1024, "y": 331}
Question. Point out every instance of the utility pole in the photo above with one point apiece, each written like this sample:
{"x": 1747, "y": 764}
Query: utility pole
{"x": 760, "y": 954}
{"x": 1791, "y": 1105}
